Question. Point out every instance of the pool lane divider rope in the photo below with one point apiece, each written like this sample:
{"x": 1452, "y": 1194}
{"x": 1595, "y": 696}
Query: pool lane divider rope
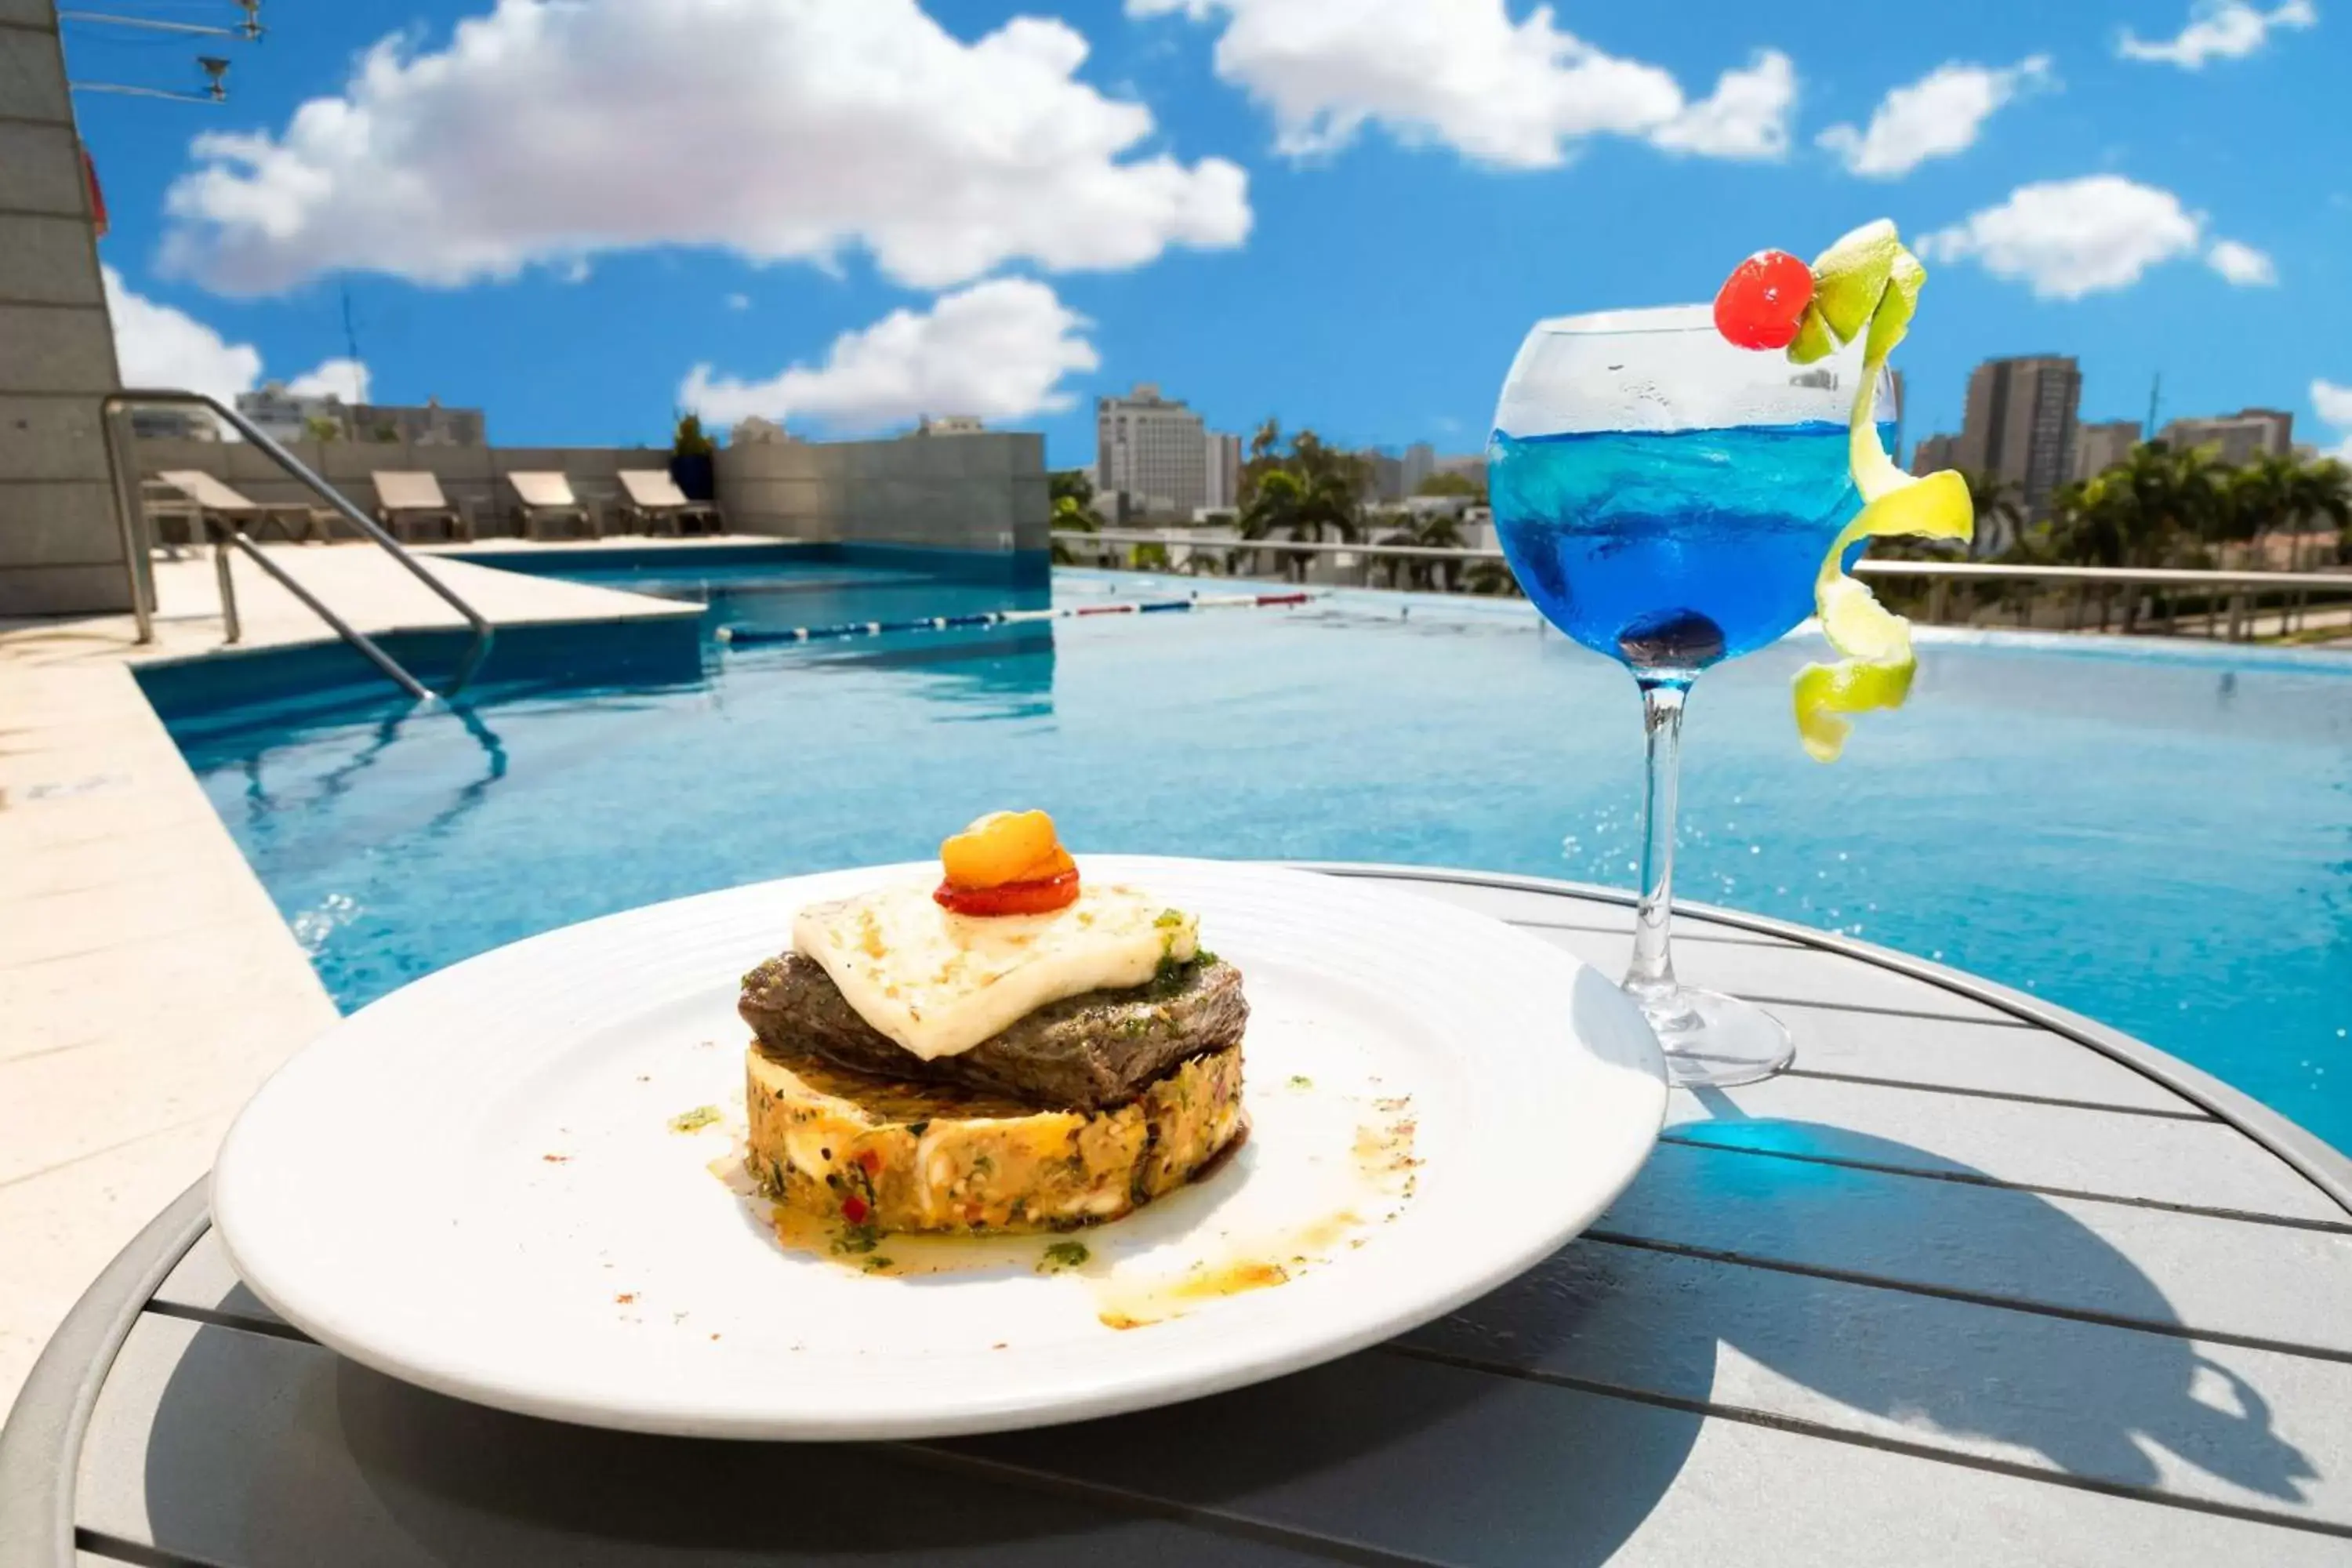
{"x": 747, "y": 636}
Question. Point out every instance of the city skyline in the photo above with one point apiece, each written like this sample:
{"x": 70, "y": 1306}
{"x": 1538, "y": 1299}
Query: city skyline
{"x": 2022, "y": 426}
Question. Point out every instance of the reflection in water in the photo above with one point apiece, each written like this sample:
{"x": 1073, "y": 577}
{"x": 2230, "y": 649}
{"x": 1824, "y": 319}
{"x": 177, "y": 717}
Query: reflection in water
{"x": 337, "y": 781}
{"x": 997, "y": 672}
{"x": 2105, "y": 830}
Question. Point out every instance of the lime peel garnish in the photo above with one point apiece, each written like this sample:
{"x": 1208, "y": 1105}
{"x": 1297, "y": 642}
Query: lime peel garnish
{"x": 1867, "y": 284}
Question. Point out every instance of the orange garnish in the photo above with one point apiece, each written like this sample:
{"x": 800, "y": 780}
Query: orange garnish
{"x": 1006, "y": 849}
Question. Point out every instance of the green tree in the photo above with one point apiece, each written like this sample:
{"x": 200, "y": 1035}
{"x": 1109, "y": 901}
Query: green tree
{"x": 2321, "y": 490}
{"x": 691, "y": 440}
{"x": 1489, "y": 577}
{"x": 2155, "y": 508}
{"x": 1429, "y": 531}
{"x": 1999, "y": 507}
{"x": 1070, "y": 484}
{"x": 1447, "y": 483}
{"x": 318, "y": 427}
{"x": 1071, "y": 515}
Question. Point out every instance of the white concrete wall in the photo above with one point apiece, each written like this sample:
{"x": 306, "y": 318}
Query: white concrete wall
{"x": 60, "y": 545}
{"x": 969, "y": 492}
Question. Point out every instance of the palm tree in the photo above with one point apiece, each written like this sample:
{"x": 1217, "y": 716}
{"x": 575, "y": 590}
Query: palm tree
{"x": 2253, "y": 498}
{"x": 1071, "y": 515}
{"x": 2151, "y": 509}
{"x": 1307, "y": 493}
{"x": 2157, "y": 508}
{"x": 1489, "y": 577}
{"x": 2000, "y": 512}
{"x": 2320, "y": 490}
{"x": 1429, "y": 531}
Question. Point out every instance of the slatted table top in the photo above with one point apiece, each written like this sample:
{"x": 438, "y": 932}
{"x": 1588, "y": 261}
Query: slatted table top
{"x": 1978, "y": 1282}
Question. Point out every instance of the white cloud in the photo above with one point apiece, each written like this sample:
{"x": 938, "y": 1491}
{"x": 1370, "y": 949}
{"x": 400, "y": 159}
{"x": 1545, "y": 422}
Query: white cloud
{"x": 1935, "y": 117}
{"x": 1462, "y": 74}
{"x": 2067, "y": 239}
{"x": 2333, "y": 405}
{"x": 163, "y": 348}
{"x": 343, "y": 378}
{"x": 2241, "y": 264}
{"x": 1747, "y": 116}
{"x": 2227, "y": 30}
{"x": 781, "y": 129}
{"x": 998, "y": 350}
{"x": 739, "y": 302}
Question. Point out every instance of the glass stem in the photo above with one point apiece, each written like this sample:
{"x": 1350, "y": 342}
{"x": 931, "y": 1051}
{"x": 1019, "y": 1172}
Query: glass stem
{"x": 1651, "y": 977}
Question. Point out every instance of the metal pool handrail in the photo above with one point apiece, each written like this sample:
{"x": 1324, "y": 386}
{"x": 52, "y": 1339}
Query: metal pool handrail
{"x": 131, "y": 519}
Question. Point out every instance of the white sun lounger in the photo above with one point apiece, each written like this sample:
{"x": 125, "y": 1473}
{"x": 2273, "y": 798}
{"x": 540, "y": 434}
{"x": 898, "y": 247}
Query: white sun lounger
{"x": 544, "y": 497}
{"x": 653, "y": 501}
{"x": 215, "y": 500}
{"x": 409, "y": 500}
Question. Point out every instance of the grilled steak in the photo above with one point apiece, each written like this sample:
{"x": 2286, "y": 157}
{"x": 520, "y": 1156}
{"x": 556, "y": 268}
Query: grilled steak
{"x": 1084, "y": 1052}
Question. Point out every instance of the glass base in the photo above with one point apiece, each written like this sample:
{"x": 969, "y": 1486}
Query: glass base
{"x": 1712, "y": 1040}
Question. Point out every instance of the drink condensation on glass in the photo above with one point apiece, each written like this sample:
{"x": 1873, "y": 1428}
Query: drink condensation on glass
{"x": 1667, "y": 499}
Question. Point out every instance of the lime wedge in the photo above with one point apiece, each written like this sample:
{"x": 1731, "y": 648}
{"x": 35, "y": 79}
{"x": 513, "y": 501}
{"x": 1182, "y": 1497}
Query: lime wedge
{"x": 1867, "y": 281}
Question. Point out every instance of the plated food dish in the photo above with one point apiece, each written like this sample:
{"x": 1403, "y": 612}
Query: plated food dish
{"x": 1018, "y": 1049}
{"x": 1342, "y": 1110}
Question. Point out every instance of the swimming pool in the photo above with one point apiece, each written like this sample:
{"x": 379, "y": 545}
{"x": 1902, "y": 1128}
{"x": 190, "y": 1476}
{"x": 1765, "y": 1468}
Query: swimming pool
{"x": 2159, "y": 835}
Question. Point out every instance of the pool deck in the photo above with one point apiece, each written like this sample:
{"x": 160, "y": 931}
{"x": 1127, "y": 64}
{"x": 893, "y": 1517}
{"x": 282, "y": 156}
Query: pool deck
{"x": 147, "y": 982}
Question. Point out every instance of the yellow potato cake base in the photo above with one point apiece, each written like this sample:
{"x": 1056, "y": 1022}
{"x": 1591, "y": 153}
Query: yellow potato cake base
{"x": 921, "y": 1157}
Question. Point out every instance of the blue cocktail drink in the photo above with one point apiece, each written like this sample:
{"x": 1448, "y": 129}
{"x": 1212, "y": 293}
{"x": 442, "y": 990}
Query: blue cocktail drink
{"x": 1670, "y": 550}
{"x": 1677, "y": 486}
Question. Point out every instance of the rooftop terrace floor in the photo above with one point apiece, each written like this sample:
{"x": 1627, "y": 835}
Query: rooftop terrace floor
{"x": 148, "y": 983}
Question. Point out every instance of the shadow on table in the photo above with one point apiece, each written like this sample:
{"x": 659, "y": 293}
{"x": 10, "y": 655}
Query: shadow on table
{"x": 265, "y": 1451}
{"x": 2089, "y": 1398}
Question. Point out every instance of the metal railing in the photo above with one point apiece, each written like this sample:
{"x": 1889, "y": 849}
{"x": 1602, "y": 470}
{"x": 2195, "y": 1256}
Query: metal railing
{"x": 2228, "y": 604}
{"x": 132, "y": 516}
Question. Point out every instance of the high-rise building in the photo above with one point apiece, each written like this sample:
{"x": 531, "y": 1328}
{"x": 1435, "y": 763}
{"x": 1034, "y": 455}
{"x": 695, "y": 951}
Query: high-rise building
{"x": 2242, "y": 437}
{"x": 1934, "y": 454}
{"x": 1224, "y": 476}
{"x": 285, "y": 415}
{"x": 1383, "y": 475}
{"x": 1152, "y": 448}
{"x": 2101, "y": 446}
{"x": 160, "y": 423}
{"x": 949, "y": 424}
{"x": 2020, "y": 425}
{"x": 1420, "y": 461}
{"x": 425, "y": 424}
{"x": 1471, "y": 466}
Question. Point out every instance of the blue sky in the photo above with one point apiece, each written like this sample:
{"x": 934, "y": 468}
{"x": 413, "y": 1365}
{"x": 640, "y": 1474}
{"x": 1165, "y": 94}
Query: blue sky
{"x": 1342, "y": 215}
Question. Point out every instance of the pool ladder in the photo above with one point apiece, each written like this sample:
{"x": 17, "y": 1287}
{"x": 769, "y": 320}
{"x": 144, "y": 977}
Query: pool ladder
{"x": 131, "y": 517}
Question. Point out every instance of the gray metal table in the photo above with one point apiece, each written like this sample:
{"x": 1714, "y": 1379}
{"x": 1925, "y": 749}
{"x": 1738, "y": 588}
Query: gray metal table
{"x": 1979, "y": 1283}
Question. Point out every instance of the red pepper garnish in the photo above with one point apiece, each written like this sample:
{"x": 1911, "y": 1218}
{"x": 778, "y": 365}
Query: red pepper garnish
{"x": 867, "y": 1161}
{"x": 1040, "y": 897}
{"x": 854, "y": 1209}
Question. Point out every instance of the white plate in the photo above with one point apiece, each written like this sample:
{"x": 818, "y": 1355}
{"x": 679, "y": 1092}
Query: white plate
{"x": 392, "y": 1191}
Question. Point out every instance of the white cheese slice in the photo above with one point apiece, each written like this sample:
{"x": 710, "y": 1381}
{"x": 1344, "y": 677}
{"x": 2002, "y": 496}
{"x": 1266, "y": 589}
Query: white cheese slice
{"x": 939, "y": 983}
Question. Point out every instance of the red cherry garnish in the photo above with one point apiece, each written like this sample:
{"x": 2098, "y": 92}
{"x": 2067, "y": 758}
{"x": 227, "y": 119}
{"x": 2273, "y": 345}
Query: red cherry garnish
{"x": 1764, "y": 300}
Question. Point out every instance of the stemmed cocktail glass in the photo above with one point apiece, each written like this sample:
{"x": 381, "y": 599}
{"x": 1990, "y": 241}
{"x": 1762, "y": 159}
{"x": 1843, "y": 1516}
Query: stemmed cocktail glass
{"x": 1667, "y": 499}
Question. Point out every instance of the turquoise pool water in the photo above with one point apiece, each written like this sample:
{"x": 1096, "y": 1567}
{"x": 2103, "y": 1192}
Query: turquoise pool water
{"x": 2159, "y": 835}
